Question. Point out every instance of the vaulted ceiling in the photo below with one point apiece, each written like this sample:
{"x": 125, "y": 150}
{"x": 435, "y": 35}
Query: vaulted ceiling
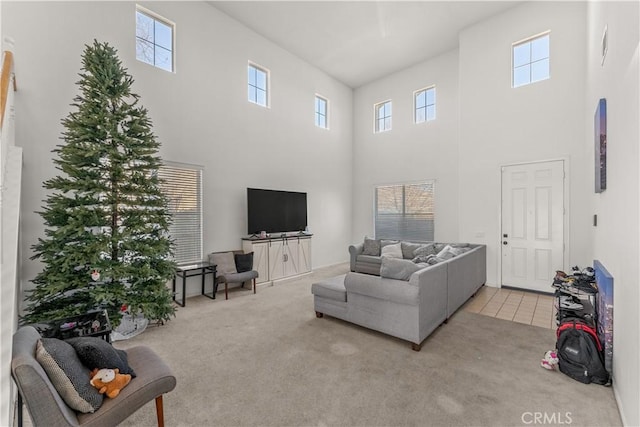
{"x": 360, "y": 41}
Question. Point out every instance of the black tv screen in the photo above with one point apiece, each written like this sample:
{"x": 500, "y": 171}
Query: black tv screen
{"x": 276, "y": 211}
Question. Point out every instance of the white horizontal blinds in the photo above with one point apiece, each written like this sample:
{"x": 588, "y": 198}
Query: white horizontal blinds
{"x": 182, "y": 184}
{"x": 405, "y": 211}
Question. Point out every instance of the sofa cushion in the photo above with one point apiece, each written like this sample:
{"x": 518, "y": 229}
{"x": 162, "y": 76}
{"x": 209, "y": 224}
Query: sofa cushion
{"x": 371, "y": 247}
{"x": 400, "y": 269}
{"x": 332, "y": 288}
{"x": 392, "y": 251}
{"x": 408, "y": 248}
{"x": 369, "y": 259}
{"x": 68, "y": 375}
{"x": 382, "y": 288}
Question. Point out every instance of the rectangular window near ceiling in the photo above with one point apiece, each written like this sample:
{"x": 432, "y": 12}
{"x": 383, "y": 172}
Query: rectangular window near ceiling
{"x": 322, "y": 112}
{"x": 182, "y": 184}
{"x": 382, "y": 116}
{"x": 530, "y": 60}
{"x": 405, "y": 211}
{"x": 424, "y": 101}
{"x": 258, "y": 81}
{"x": 154, "y": 39}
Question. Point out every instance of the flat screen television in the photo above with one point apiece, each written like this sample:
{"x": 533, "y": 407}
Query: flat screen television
{"x": 275, "y": 211}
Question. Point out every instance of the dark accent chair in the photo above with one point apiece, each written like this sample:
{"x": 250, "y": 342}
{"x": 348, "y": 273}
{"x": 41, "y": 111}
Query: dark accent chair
{"x": 46, "y": 407}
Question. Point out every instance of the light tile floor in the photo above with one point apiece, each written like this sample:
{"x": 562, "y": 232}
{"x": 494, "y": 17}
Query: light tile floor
{"x": 515, "y": 305}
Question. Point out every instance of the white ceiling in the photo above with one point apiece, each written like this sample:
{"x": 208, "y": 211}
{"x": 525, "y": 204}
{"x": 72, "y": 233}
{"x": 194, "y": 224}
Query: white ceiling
{"x": 360, "y": 41}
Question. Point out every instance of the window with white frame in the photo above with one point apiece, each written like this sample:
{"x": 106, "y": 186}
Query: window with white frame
{"x": 182, "y": 185}
{"x": 530, "y": 60}
{"x": 322, "y": 112}
{"x": 405, "y": 211}
{"x": 424, "y": 101}
{"x": 154, "y": 39}
{"x": 258, "y": 81}
{"x": 382, "y": 116}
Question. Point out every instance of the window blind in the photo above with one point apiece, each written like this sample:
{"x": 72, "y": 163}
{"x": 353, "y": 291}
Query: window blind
{"x": 405, "y": 211}
{"x": 182, "y": 184}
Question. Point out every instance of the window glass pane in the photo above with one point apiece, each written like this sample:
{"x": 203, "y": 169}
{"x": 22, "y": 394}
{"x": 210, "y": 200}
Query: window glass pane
{"x": 163, "y": 58}
{"x": 380, "y": 125}
{"x": 144, "y": 26}
{"x": 144, "y": 51}
{"x": 163, "y": 35}
{"x": 261, "y": 79}
{"x": 387, "y": 109}
{"x": 261, "y": 97}
{"x": 431, "y": 112}
{"x": 540, "y": 70}
{"x": 387, "y": 123}
{"x": 540, "y": 48}
{"x": 252, "y": 94}
{"x": 322, "y": 121}
{"x": 521, "y": 54}
{"x": 405, "y": 212}
{"x": 420, "y": 115}
{"x": 420, "y": 99}
{"x": 521, "y": 76}
{"x": 431, "y": 96}
{"x": 182, "y": 186}
{"x": 252, "y": 76}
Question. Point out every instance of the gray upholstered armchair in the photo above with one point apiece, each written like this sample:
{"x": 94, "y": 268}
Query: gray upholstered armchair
{"x": 47, "y": 407}
{"x": 233, "y": 267}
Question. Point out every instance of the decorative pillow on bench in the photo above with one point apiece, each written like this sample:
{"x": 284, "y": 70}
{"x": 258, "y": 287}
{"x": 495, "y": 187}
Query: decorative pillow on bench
{"x": 97, "y": 353}
{"x": 68, "y": 375}
{"x": 371, "y": 247}
{"x": 392, "y": 251}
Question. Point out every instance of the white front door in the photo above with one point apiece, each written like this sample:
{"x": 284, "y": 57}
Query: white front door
{"x": 532, "y": 224}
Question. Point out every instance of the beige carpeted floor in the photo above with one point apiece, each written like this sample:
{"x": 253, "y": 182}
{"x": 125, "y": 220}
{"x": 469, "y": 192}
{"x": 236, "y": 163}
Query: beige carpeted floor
{"x": 266, "y": 360}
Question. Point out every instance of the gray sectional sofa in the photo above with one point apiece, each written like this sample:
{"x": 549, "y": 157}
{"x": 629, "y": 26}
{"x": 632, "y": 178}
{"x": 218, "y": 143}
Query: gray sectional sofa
{"x": 413, "y": 304}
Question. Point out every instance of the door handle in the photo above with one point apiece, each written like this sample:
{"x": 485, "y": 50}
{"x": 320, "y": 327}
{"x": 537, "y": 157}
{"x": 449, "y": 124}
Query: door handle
{"x": 505, "y": 243}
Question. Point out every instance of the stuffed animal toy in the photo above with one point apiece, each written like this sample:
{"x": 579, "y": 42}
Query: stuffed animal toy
{"x": 550, "y": 360}
{"x": 109, "y": 381}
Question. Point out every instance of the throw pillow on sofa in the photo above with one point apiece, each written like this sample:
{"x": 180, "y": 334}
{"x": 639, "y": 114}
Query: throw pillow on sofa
{"x": 391, "y": 251}
{"x": 408, "y": 248}
{"x": 425, "y": 250}
{"x": 371, "y": 247}
{"x": 399, "y": 269}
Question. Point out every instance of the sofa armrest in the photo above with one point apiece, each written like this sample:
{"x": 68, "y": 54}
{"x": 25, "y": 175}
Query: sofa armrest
{"x": 354, "y": 251}
{"x": 432, "y": 284}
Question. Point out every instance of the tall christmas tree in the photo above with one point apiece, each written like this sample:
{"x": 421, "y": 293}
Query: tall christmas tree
{"x": 106, "y": 219}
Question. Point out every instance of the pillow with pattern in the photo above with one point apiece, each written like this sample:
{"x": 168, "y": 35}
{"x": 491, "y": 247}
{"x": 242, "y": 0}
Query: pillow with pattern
{"x": 371, "y": 247}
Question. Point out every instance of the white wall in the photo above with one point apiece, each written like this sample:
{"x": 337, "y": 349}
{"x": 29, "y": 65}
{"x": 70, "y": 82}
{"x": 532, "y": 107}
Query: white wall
{"x": 200, "y": 114}
{"x": 616, "y": 238}
{"x": 409, "y": 152}
{"x": 500, "y": 125}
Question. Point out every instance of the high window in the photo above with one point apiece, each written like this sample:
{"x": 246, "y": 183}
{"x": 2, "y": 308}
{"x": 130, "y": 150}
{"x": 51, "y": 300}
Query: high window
{"x": 531, "y": 60}
{"x": 154, "y": 39}
{"x": 322, "y": 112}
{"x": 382, "y": 116}
{"x": 182, "y": 184}
{"x": 424, "y": 101}
{"x": 405, "y": 211}
{"x": 258, "y": 85}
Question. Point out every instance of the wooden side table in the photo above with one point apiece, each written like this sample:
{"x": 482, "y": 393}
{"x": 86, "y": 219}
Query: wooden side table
{"x": 190, "y": 270}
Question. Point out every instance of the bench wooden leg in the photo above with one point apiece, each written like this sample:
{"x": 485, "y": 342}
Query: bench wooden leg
{"x": 226, "y": 290}
{"x": 416, "y": 347}
{"x": 318, "y": 314}
{"x": 159, "y": 411}
{"x": 254, "y": 286}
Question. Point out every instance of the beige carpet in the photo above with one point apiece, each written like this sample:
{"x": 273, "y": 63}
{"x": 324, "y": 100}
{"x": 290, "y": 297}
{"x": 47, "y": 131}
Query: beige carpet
{"x": 266, "y": 360}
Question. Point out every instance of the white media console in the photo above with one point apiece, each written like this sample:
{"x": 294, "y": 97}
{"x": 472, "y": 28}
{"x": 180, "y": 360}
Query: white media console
{"x": 281, "y": 257}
